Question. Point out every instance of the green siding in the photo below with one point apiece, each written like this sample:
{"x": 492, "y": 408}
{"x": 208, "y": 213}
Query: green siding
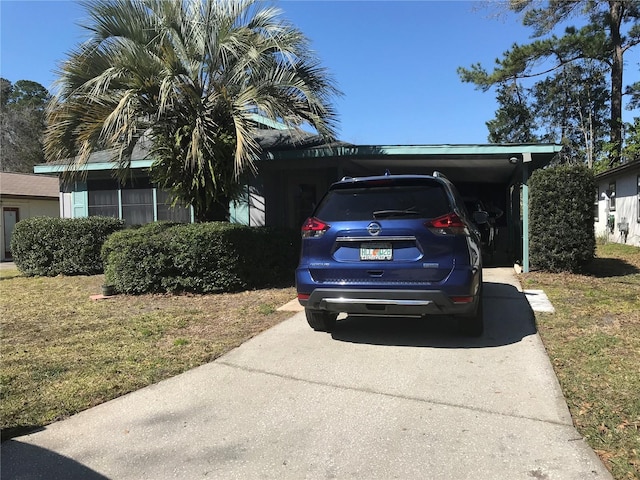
{"x": 239, "y": 211}
{"x": 80, "y": 200}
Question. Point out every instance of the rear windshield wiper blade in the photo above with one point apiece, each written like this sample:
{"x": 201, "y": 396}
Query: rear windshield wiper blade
{"x": 394, "y": 213}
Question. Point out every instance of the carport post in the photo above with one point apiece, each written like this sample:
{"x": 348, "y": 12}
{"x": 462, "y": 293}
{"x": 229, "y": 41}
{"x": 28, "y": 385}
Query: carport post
{"x": 526, "y": 159}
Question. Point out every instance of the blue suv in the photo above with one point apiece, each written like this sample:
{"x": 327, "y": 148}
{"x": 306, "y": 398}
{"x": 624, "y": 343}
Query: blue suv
{"x": 393, "y": 245}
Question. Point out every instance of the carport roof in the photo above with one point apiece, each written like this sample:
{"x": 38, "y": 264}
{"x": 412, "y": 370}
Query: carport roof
{"x": 488, "y": 163}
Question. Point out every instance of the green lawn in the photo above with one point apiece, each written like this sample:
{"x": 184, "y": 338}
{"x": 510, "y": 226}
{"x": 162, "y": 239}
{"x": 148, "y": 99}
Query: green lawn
{"x": 63, "y": 352}
{"x": 593, "y": 341}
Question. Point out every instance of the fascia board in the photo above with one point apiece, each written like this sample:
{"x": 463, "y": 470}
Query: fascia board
{"x": 416, "y": 150}
{"x": 89, "y": 167}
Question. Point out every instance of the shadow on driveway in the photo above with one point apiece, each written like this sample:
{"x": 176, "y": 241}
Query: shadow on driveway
{"x": 29, "y": 462}
{"x": 507, "y": 315}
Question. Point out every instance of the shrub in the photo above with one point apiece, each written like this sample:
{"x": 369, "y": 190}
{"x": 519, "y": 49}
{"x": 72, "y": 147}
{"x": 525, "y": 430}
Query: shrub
{"x": 561, "y": 218}
{"x": 199, "y": 258}
{"x": 61, "y": 246}
{"x": 135, "y": 259}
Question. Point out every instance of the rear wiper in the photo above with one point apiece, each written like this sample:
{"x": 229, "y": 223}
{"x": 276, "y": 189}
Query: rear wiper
{"x": 394, "y": 213}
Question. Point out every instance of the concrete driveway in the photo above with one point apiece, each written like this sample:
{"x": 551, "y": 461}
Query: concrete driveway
{"x": 377, "y": 399}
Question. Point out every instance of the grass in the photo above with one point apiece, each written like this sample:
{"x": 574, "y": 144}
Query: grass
{"x": 593, "y": 341}
{"x": 63, "y": 352}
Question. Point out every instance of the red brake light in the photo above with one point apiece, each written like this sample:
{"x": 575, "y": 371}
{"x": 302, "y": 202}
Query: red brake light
{"x": 449, "y": 224}
{"x": 313, "y": 228}
{"x": 378, "y": 183}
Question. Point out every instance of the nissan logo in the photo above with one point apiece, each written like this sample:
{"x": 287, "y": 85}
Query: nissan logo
{"x": 374, "y": 228}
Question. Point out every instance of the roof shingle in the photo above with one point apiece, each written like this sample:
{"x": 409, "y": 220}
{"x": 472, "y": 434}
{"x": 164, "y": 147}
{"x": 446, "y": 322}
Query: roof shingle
{"x": 26, "y": 185}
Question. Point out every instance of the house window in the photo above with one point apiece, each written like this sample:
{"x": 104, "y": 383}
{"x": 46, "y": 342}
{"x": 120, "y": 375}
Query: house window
{"x": 103, "y": 198}
{"x": 137, "y": 203}
{"x": 137, "y": 206}
{"x": 596, "y": 206}
{"x": 178, "y": 213}
{"x": 612, "y": 196}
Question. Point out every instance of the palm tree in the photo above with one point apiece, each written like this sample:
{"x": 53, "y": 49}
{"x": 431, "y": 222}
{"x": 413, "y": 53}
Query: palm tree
{"x": 188, "y": 76}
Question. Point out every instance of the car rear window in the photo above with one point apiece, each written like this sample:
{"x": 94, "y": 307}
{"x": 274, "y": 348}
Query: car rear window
{"x": 397, "y": 201}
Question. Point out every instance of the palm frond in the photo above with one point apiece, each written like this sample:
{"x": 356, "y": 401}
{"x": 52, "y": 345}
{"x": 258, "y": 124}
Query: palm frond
{"x": 189, "y": 73}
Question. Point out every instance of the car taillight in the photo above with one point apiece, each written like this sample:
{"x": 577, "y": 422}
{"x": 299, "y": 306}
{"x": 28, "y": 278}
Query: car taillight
{"x": 449, "y": 224}
{"x": 313, "y": 228}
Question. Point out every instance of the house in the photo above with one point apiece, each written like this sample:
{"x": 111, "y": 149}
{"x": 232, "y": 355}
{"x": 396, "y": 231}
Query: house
{"x": 295, "y": 170}
{"x": 138, "y": 201}
{"x": 617, "y": 204}
{"x": 23, "y": 196}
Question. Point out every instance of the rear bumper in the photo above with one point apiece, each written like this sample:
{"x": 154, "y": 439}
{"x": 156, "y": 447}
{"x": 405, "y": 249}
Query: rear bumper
{"x": 387, "y": 302}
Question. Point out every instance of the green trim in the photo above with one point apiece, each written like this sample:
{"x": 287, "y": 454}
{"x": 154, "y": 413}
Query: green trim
{"x": 525, "y": 211}
{"x": 267, "y": 122}
{"x": 416, "y": 150}
{"x": 120, "y": 209}
{"x": 80, "y": 200}
{"x": 89, "y": 167}
{"x": 154, "y": 194}
{"x": 525, "y": 220}
{"x": 353, "y": 151}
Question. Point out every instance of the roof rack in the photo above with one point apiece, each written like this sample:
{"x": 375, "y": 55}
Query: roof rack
{"x": 438, "y": 174}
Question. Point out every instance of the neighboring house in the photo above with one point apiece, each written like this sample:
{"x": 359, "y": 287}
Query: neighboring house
{"x": 23, "y": 196}
{"x": 617, "y": 204}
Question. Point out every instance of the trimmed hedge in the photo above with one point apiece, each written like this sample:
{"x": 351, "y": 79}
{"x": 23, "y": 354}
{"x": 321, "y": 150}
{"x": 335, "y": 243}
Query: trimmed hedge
{"x": 199, "y": 258}
{"x": 61, "y": 246}
{"x": 561, "y": 218}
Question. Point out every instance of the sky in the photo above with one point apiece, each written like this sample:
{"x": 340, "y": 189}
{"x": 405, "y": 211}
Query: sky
{"x": 395, "y": 61}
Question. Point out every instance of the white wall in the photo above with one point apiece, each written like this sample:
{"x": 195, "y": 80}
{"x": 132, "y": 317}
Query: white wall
{"x": 626, "y": 207}
{"x": 66, "y": 210}
{"x": 27, "y": 208}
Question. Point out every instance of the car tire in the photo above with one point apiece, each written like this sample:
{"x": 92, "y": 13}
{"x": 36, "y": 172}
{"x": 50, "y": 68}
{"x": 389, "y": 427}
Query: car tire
{"x": 320, "y": 320}
{"x": 473, "y": 325}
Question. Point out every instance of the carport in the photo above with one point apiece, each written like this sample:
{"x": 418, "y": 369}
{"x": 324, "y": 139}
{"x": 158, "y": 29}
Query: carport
{"x": 293, "y": 180}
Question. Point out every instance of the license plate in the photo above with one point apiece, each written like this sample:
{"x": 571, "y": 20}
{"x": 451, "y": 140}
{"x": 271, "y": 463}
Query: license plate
{"x": 376, "y": 251}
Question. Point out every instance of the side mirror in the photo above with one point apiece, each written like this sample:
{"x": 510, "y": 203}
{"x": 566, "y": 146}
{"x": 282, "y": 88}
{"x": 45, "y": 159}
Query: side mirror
{"x": 480, "y": 217}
